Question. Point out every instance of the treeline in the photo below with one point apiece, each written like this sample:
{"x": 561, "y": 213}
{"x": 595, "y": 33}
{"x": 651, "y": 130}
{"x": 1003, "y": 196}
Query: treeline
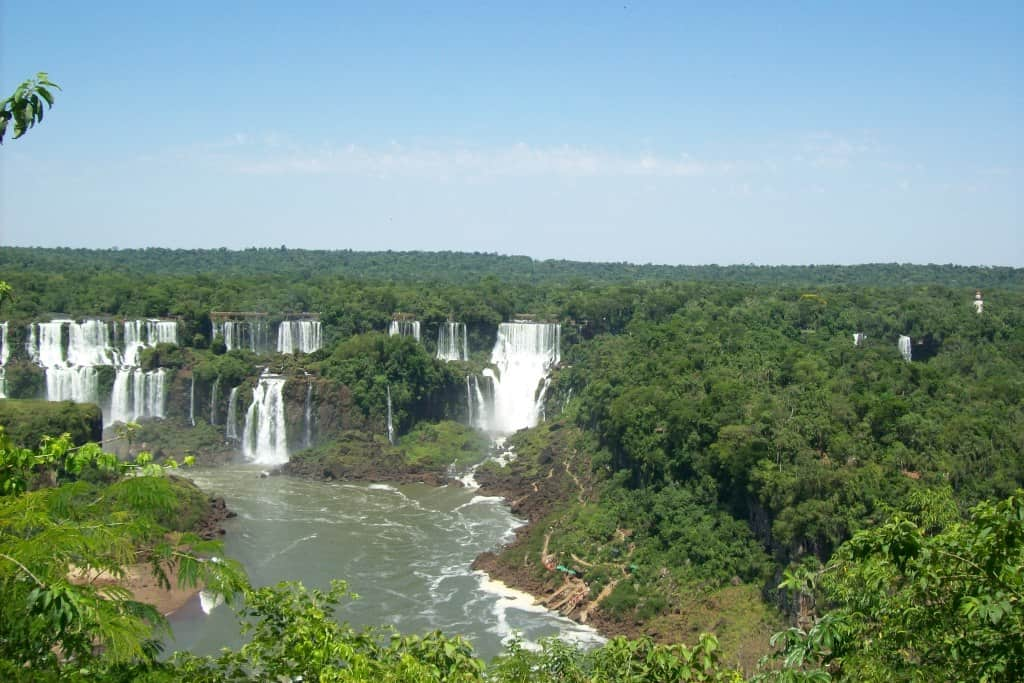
{"x": 470, "y": 268}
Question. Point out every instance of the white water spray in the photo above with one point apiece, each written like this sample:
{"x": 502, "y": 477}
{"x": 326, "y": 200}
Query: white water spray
{"x": 299, "y": 336}
{"x": 904, "y": 345}
{"x": 264, "y": 439}
{"x": 524, "y": 354}
{"x": 231, "y": 429}
{"x": 451, "y": 342}
{"x": 405, "y": 328}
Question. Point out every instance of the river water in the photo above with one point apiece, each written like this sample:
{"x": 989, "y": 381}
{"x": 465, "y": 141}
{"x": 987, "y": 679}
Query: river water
{"x": 405, "y": 550}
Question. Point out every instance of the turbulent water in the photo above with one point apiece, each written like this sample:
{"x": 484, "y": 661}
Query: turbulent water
{"x": 405, "y": 550}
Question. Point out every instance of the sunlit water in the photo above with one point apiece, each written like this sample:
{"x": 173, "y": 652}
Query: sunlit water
{"x": 405, "y": 550}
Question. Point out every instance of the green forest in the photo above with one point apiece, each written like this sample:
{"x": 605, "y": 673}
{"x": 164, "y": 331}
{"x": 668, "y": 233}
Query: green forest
{"x": 742, "y": 490}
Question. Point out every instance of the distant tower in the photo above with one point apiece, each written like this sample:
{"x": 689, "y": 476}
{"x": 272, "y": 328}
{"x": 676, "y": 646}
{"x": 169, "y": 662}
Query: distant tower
{"x": 978, "y": 303}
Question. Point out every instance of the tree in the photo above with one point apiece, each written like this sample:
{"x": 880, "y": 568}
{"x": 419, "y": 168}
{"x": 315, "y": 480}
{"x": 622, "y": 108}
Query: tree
{"x": 25, "y": 107}
{"x": 917, "y": 606}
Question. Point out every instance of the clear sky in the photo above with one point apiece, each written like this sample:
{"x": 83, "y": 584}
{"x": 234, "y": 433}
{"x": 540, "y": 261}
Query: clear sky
{"x": 673, "y": 132}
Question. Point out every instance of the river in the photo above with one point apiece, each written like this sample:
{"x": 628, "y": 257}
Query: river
{"x": 405, "y": 550}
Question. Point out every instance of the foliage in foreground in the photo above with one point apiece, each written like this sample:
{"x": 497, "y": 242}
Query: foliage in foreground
{"x": 64, "y": 548}
{"x": 919, "y": 606}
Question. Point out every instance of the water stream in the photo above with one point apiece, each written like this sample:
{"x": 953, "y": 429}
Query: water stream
{"x": 406, "y": 550}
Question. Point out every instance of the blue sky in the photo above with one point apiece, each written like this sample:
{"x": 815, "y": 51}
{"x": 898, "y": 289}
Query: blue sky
{"x": 646, "y": 132}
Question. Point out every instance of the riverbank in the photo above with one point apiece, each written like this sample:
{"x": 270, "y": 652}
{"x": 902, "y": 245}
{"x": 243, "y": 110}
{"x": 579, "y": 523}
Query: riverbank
{"x": 552, "y": 485}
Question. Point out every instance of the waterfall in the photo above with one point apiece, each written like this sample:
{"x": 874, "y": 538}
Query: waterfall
{"x": 78, "y": 384}
{"x": 858, "y": 338}
{"x": 264, "y": 438}
{"x": 192, "y": 402}
{"x": 5, "y": 353}
{"x": 904, "y": 345}
{"x": 213, "y": 400}
{"x": 140, "y": 334}
{"x": 231, "y": 430}
{"x": 469, "y": 402}
{"x": 405, "y": 328}
{"x": 138, "y": 393}
{"x": 251, "y": 334}
{"x": 452, "y": 343}
{"x": 391, "y": 425}
{"x": 523, "y": 354}
{"x": 307, "y": 440}
{"x": 480, "y": 400}
{"x": 89, "y": 344}
{"x": 299, "y": 336}
{"x": 46, "y": 347}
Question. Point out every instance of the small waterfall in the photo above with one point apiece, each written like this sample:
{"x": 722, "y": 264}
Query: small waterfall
{"x": 524, "y": 354}
{"x": 140, "y": 334}
{"x": 213, "y": 400}
{"x": 404, "y": 328}
{"x": 452, "y": 343}
{"x": 231, "y": 429}
{"x": 469, "y": 402}
{"x": 264, "y": 438}
{"x": 904, "y": 345}
{"x": 46, "y": 344}
{"x": 307, "y": 439}
{"x": 5, "y": 353}
{"x": 251, "y": 334}
{"x": 391, "y": 424}
{"x": 858, "y": 338}
{"x": 192, "y": 402}
{"x": 138, "y": 393}
{"x": 481, "y": 400}
{"x": 299, "y": 336}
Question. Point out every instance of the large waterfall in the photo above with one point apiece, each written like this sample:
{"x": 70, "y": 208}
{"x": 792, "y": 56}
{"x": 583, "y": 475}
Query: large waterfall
{"x": 299, "y": 336}
{"x": 264, "y": 439}
{"x": 405, "y": 328}
{"x": 70, "y": 352}
{"x": 523, "y": 354}
{"x": 904, "y": 345}
{"x": 452, "y": 343}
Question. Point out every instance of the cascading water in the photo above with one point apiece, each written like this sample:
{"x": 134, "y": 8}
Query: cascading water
{"x": 89, "y": 344}
{"x": 858, "y": 338}
{"x": 192, "y": 402}
{"x": 213, "y": 400}
{"x": 391, "y": 424}
{"x": 138, "y": 393}
{"x": 140, "y": 334}
{"x": 904, "y": 345}
{"x": 5, "y": 353}
{"x": 405, "y": 328}
{"x": 231, "y": 429}
{"x": 299, "y": 336}
{"x": 523, "y": 354}
{"x": 264, "y": 438}
{"x": 307, "y": 437}
{"x": 249, "y": 334}
{"x": 451, "y": 342}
